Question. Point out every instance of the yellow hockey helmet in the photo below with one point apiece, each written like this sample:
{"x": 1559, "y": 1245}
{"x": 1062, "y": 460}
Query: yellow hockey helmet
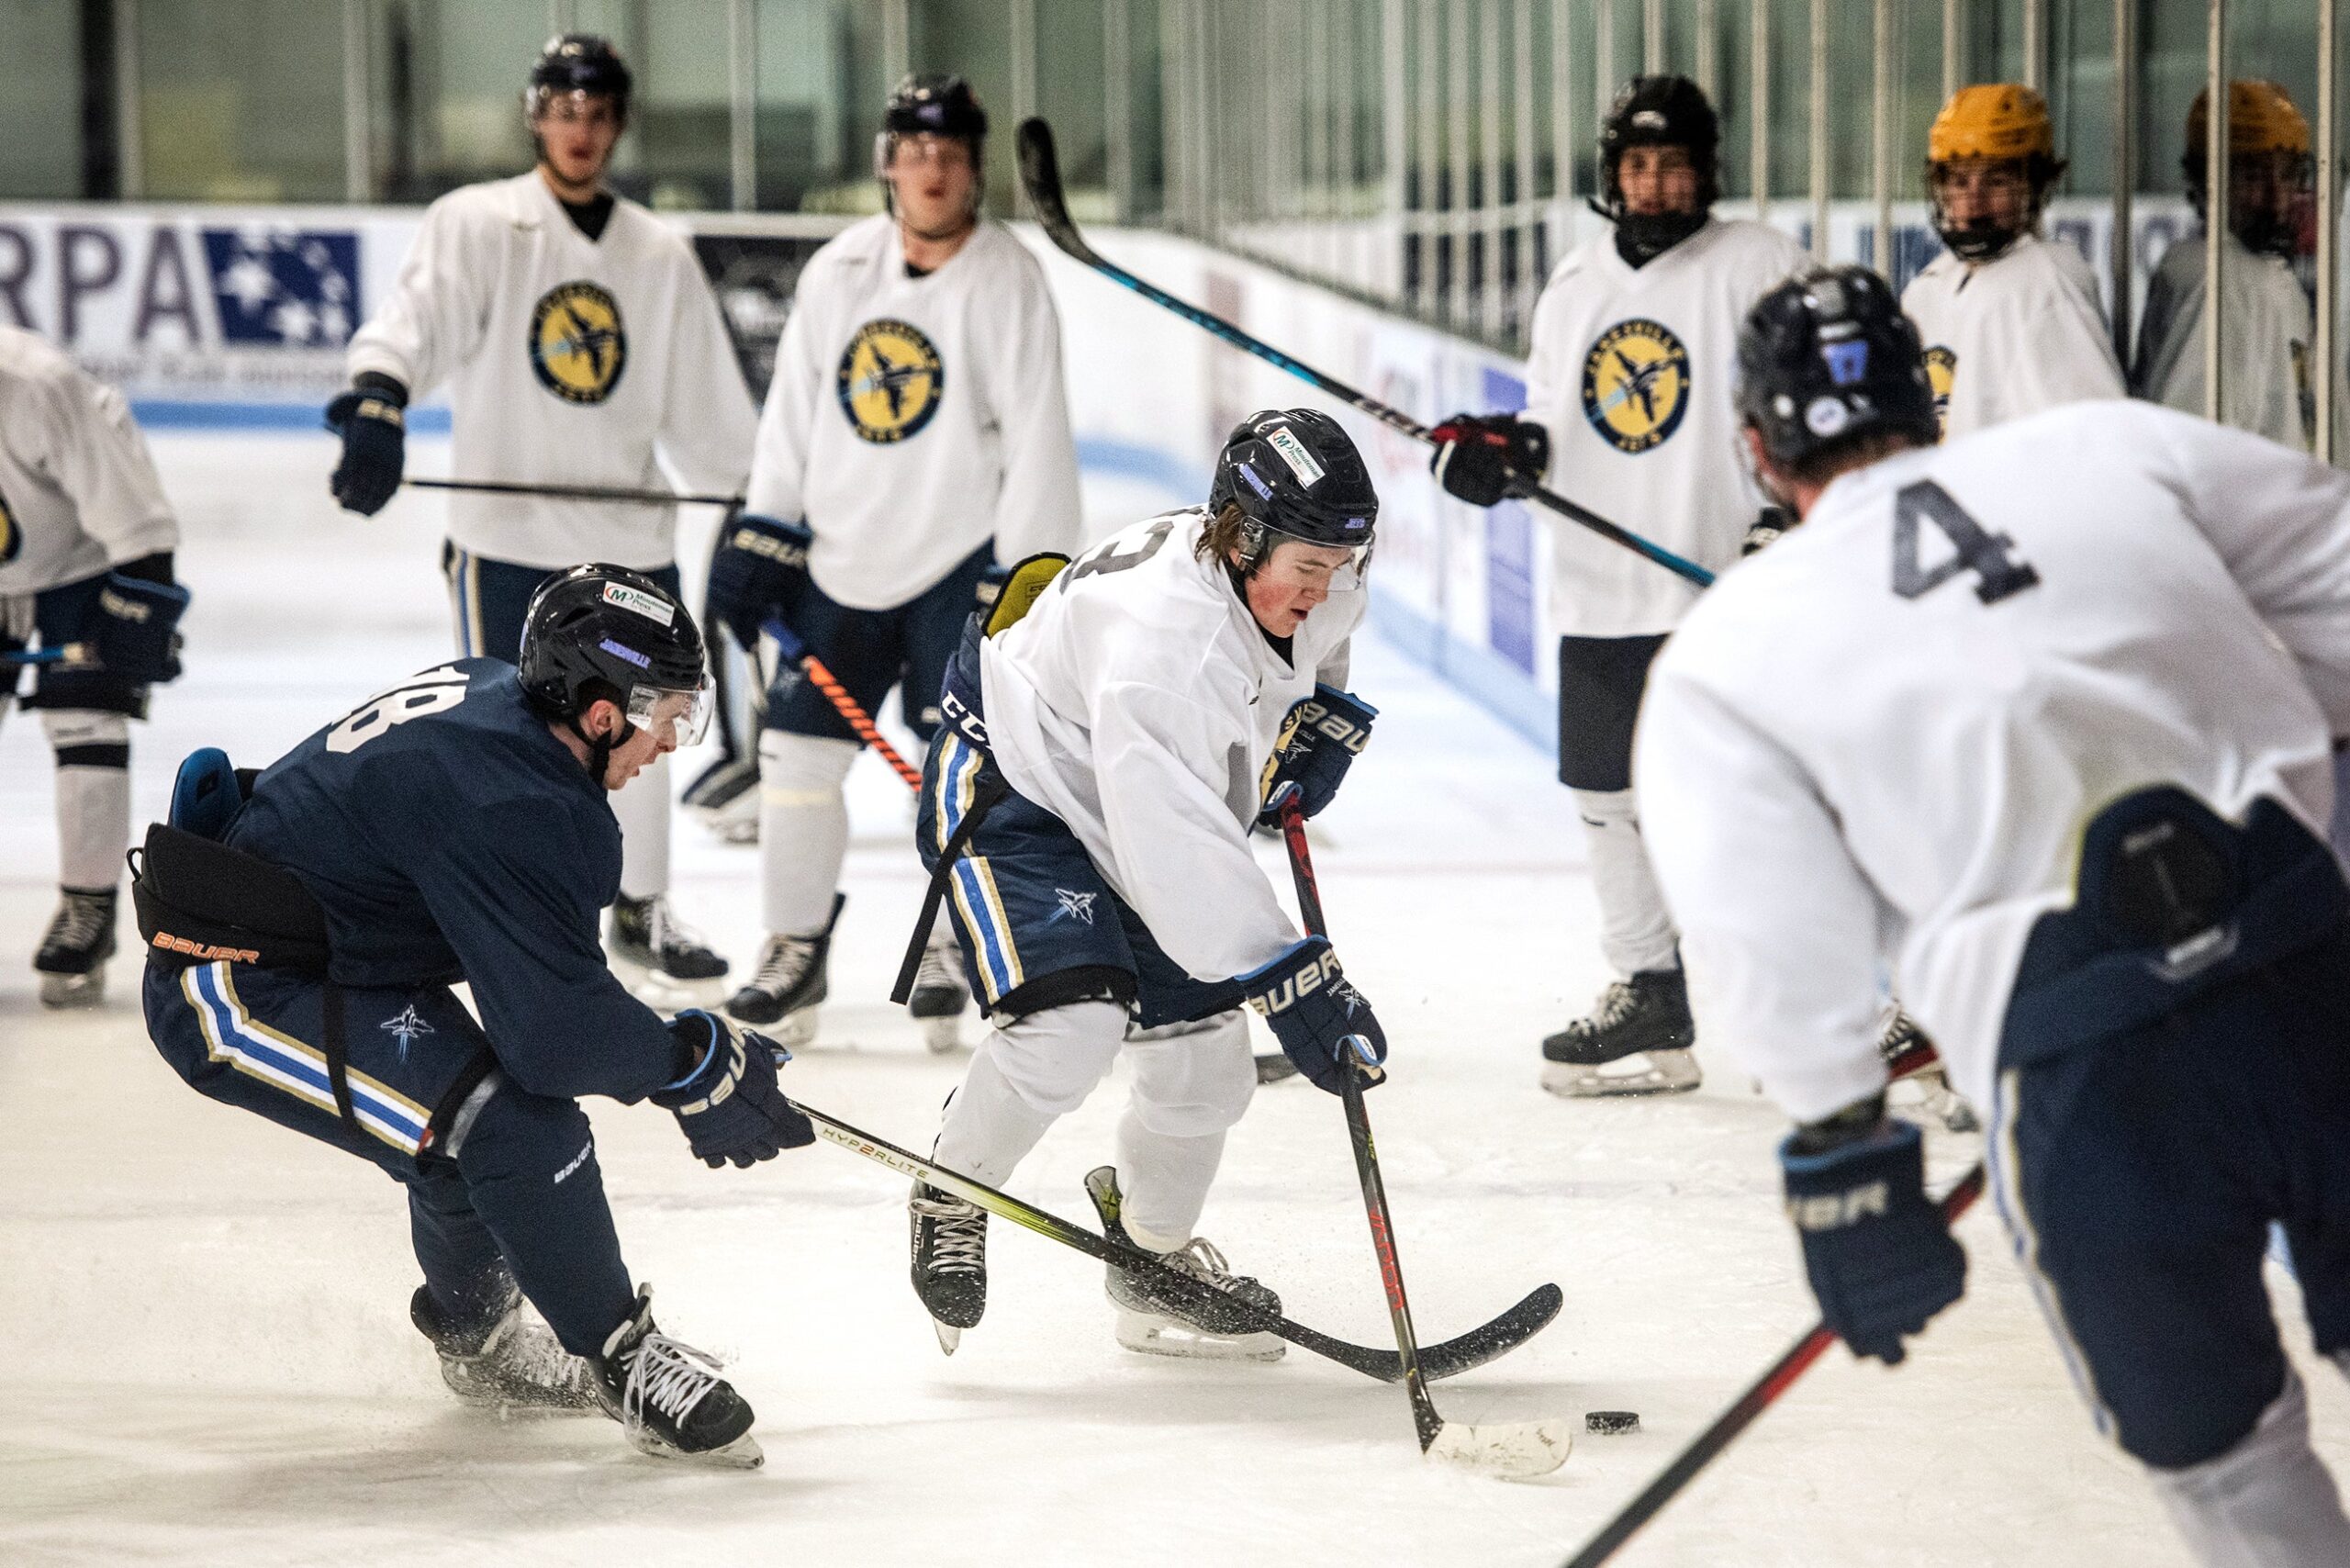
{"x": 2261, "y": 119}
{"x": 1992, "y": 120}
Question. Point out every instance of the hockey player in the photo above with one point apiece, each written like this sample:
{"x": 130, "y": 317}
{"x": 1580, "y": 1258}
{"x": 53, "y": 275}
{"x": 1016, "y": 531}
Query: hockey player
{"x": 458, "y": 827}
{"x": 1088, "y": 801}
{"x": 579, "y": 338}
{"x": 86, "y": 571}
{"x": 2044, "y": 722}
{"x": 914, "y": 434}
{"x": 2267, "y": 328}
{"x": 2011, "y": 323}
{"x": 1628, "y": 411}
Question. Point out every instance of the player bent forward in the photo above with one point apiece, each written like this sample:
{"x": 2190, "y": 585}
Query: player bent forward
{"x": 1089, "y": 804}
{"x": 303, "y": 941}
{"x": 2086, "y": 667}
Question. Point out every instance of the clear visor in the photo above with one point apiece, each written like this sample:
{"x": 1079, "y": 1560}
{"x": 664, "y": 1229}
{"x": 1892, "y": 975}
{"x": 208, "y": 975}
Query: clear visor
{"x": 1299, "y": 563}
{"x": 684, "y": 714}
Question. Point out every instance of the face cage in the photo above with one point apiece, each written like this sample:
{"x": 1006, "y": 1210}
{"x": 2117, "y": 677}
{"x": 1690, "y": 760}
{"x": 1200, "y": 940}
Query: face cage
{"x": 537, "y": 100}
{"x": 685, "y": 714}
{"x": 2040, "y": 178}
{"x": 1261, "y": 540}
{"x": 885, "y": 142}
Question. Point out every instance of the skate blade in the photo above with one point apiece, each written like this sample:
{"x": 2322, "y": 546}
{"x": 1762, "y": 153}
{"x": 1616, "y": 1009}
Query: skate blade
{"x": 941, "y": 1034}
{"x": 949, "y": 1337}
{"x": 656, "y": 988}
{"x": 1274, "y": 1066}
{"x": 1931, "y": 1093}
{"x": 1666, "y": 1072}
{"x": 1516, "y": 1452}
{"x": 1153, "y": 1335}
{"x": 73, "y": 991}
{"x": 793, "y": 1029}
{"x": 742, "y": 1453}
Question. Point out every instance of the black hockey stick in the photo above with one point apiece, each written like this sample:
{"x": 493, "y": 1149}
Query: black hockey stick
{"x": 1776, "y": 1378}
{"x": 1474, "y": 1348}
{"x": 574, "y": 492}
{"x": 1040, "y": 177}
{"x": 1518, "y": 1449}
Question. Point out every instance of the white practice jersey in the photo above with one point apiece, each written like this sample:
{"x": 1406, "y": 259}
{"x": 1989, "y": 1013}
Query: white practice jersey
{"x": 1631, "y": 374}
{"x": 2265, "y": 381}
{"x": 2016, "y": 334}
{"x": 912, "y": 418}
{"x": 78, "y": 491}
{"x": 1850, "y": 762}
{"x": 1138, "y": 702}
{"x": 570, "y": 361}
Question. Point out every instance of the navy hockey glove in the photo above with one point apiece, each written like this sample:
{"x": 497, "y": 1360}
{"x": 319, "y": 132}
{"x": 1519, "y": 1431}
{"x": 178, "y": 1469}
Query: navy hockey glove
{"x": 1880, "y": 1255}
{"x": 1322, "y": 1021}
{"x": 1490, "y": 459}
{"x": 729, "y": 1105}
{"x": 759, "y": 570}
{"x": 374, "y": 442}
{"x": 133, "y": 630}
{"x": 1319, "y": 740}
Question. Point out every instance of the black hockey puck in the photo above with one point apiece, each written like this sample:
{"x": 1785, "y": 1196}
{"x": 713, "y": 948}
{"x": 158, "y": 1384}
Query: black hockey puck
{"x": 1612, "y": 1423}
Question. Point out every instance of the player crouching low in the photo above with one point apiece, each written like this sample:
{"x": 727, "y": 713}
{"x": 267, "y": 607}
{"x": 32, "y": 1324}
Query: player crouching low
{"x": 1089, "y": 804}
{"x": 304, "y": 929}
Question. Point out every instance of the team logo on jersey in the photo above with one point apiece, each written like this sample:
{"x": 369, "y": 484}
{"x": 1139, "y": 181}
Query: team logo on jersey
{"x": 1636, "y": 385}
{"x": 891, "y": 380}
{"x": 577, "y": 345}
{"x": 1942, "y": 372}
{"x": 1073, "y": 903}
{"x": 12, "y": 536}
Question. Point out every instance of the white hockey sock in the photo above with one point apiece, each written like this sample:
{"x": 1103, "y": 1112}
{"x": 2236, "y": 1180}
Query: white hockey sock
{"x": 1023, "y": 1077}
{"x": 643, "y": 808}
{"x": 93, "y": 794}
{"x": 2267, "y": 1503}
{"x": 1635, "y": 931}
{"x": 803, "y": 828}
{"x": 1188, "y": 1088}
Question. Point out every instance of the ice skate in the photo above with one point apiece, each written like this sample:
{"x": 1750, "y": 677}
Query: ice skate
{"x": 784, "y": 990}
{"x": 668, "y": 1398}
{"x": 72, "y": 961}
{"x": 1152, "y": 1323}
{"x": 725, "y": 798}
{"x": 660, "y": 953}
{"x": 1636, "y": 1041}
{"x": 951, "y": 1262}
{"x": 1930, "y": 1085}
{"x": 939, "y": 996}
{"x": 506, "y": 1363}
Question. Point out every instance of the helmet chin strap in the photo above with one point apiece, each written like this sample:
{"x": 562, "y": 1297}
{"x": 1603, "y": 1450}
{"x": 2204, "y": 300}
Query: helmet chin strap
{"x": 599, "y": 747}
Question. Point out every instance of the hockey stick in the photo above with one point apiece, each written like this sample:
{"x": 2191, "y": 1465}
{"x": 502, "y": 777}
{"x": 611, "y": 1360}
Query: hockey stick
{"x": 1474, "y": 1348}
{"x": 1517, "y": 1449}
{"x": 852, "y": 713}
{"x": 1760, "y": 1395}
{"x": 63, "y": 653}
{"x": 574, "y": 492}
{"x": 1040, "y": 177}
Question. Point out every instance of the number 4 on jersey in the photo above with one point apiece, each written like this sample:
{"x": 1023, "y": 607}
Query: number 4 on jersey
{"x": 1997, "y": 572}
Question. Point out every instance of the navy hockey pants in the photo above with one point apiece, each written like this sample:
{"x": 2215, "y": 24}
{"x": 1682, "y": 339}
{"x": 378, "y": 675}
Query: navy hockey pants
{"x": 869, "y": 650}
{"x": 502, "y": 1185}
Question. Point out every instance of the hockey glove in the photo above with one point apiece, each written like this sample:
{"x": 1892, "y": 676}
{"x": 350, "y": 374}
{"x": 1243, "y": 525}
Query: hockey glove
{"x": 374, "y": 442}
{"x": 1319, "y": 740}
{"x": 729, "y": 1105}
{"x": 1482, "y": 460}
{"x": 1880, "y": 1255}
{"x": 759, "y": 570}
{"x": 133, "y": 630}
{"x": 1322, "y": 1021}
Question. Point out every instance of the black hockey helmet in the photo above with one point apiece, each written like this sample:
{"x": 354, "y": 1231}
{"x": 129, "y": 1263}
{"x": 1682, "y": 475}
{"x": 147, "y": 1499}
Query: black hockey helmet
{"x": 1660, "y": 111}
{"x": 578, "y": 62}
{"x": 1294, "y": 472}
{"x": 1827, "y": 356}
{"x": 599, "y": 632}
{"x": 933, "y": 102}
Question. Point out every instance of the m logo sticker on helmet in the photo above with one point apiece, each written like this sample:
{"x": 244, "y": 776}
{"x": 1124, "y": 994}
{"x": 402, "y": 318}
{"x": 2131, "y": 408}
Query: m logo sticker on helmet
{"x": 1636, "y": 385}
{"x": 1293, "y": 452}
{"x": 643, "y": 603}
{"x": 577, "y": 345}
{"x": 891, "y": 380}
{"x": 1942, "y": 373}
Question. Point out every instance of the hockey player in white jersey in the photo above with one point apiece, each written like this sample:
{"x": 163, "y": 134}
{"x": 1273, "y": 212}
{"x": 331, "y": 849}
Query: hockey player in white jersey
{"x": 1628, "y": 411}
{"x": 1088, "y": 802}
{"x": 915, "y": 434}
{"x": 2267, "y": 328}
{"x": 87, "y": 597}
{"x": 579, "y": 340}
{"x": 2010, "y": 322}
{"x": 2042, "y": 718}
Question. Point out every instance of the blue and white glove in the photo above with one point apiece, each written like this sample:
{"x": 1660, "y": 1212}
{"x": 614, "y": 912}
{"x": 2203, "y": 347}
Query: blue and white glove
{"x": 1319, "y": 741}
{"x": 729, "y": 1106}
{"x": 759, "y": 570}
{"x": 1879, "y": 1253}
{"x": 1322, "y": 1021}
{"x": 373, "y": 429}
{"x": 133, "y": 630}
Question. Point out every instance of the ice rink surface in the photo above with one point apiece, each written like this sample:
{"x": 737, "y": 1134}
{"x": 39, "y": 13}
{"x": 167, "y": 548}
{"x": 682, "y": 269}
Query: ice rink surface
{"x": 208, "y": 1359}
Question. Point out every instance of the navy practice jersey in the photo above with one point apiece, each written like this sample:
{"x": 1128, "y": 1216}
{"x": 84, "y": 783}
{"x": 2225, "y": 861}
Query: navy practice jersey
{"x": 449, "y": 835}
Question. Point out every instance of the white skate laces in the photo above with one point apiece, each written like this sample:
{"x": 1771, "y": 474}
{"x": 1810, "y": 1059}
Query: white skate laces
{"x": 937, "y": 969}
{"x": 782, "y": 962}
{"x": 959, "y": 1237}
{"x": 670, "y": 1377}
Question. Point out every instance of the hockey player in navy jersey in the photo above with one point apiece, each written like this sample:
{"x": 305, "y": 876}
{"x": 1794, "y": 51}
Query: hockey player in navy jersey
{"x": 304, "y": 931}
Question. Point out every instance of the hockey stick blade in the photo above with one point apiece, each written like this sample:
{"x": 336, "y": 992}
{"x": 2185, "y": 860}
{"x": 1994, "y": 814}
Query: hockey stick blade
{"x": 1040, "y": 178}
{"x": 1515, "y": 1451}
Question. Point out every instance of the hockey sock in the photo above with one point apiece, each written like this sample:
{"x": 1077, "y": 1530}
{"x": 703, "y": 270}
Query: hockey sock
{"x": 1635, "y": 931}
{"x": 530, "y": 1167}
{"x": 93, "y": 795}
{"x": 1190, "y": 1087}
{"x": 642, "y": 809}
{"x": 1023, "y": 1077}
{"x": 2267, "y": 1503}
{"x": 803, "y": 828}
